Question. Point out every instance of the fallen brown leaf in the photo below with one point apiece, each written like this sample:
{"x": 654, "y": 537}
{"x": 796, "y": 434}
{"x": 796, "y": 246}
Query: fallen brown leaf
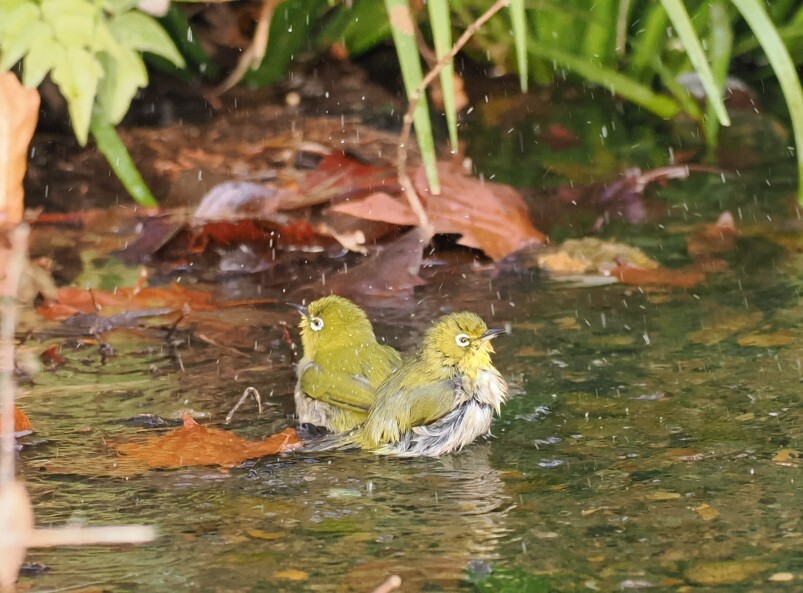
{"x": 714, "y": 238}
{"x": 392, "y": 272}
{"x": 679, "y": 278}
{"x": 706, "y": 512}
{"x": 726, "y": 572}
{"x": 175, "y": 296}
{"x": 488, "y": 216}
{"x": 193, "y": 444}
{"x": 779, "y": 338}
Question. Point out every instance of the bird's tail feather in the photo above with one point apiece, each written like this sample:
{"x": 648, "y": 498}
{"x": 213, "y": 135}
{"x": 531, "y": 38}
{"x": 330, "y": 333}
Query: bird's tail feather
{"x": 338, "y": 441}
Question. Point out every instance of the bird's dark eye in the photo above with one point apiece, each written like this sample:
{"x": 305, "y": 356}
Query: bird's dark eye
{"x": 462, "y": 340}
{"x": 316, "y": 323}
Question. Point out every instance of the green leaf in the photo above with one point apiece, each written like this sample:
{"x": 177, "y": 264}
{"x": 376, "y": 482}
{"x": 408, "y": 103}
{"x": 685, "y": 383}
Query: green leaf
{"x": 518, "y": 20}
{"x": 117, "y": 154}
{"x": 720, "y": 46}
{"x": 119, "y": 6}
{"x": 617, "y": 83}
{"x": 764, "y": 29}
{"x": 442, "y": 35}
{"x": 16, "y": 40}
{"x": 141, "y": 32}
{"x": 124, "y": 73}
{"x": 73, "y": 22}
{"x": 407, "y": 49}
{"x": 694, "y": 49}
{"x": 360, "y": 28}
{"x": 42, "y": 57}
{"x": 289, "y": 35}
{"x": 76, "y": 74}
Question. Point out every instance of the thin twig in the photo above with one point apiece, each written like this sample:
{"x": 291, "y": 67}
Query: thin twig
{"x": 18, "y": 245}
{"x": 401, "y": 159}
{"x": 249, "y": 391}
{"x": 255, "y": 53}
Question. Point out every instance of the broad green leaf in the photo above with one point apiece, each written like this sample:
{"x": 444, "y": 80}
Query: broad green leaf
{"x": 124, "y": 73}
{"x": 77, "y": 74}
{"x": 16, "y": 41}
{"x": 290, "y": 32}
{"x": 361, "y": 27}
{"x": 42, "y": 57}
{"x": 116, "y": 153}
{"x": 141, "y": 32}
{"x": 119, "y": 6}
{"x": 73, "y": 22}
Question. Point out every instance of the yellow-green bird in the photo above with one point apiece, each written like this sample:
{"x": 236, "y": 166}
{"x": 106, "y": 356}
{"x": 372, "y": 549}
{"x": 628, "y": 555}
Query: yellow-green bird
{"x": 342, "y": 364}
{"x": 437, "y": 402}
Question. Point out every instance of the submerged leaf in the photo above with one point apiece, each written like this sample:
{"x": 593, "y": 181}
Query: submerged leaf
{"x": 193, "y": 444}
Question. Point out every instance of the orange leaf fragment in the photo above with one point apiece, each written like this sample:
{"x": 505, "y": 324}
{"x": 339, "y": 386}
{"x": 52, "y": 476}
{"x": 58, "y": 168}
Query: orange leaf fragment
{"x": 706, "y": 512}
{"x": 22, "y": 424}
{"x": 21, "y": 421}
{"x": 175, "y": 296}
{"x": 193, "y": 444}
{"x": 714, "y": 238}
{"x": 680, "y": 278}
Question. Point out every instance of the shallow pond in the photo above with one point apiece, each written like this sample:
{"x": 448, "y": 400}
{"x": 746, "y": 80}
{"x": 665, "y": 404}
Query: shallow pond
{"x": 652, "y": 440}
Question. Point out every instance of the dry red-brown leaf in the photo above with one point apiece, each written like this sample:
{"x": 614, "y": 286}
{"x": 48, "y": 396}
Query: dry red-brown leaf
{"x": 175, "y": 296}
{"x": 687, "y": 277}
{"x": 714, "y": 238}
{"x": 19, "y": 112}
{"x": 193, "y": 444}
{"x": 341, "y": 173}
{"x": 489, "y": 216}
{"x": 391, "y": 272}
{"x": 51, "y": 356}
{"x": 559, "y": 137}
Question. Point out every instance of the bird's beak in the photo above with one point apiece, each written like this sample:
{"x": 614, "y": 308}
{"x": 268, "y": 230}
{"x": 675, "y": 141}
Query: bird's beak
{"x": 300, "y": 308}
{"x": 492, "y": 333}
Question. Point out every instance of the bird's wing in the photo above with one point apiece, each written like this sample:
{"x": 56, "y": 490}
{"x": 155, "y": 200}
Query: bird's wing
{"x": 381, "y": 361}
{"x": 404, "y": 409}
{"x": 352, "y": 392}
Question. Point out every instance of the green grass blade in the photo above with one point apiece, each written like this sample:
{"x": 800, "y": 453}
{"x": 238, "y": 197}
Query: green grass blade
{"x": 720, "y": 46}
{"x": 694, "y": 49}
{"x": 650, "y": 41}
{"x": 112, "y": 147}
{"x": 442, "y": 34}
{"x": 680, "y": 92}
{"x": 401, "y": 25}
{"x": 600, "y": 35}
{"x": 518, "y": 20}
{"x": 764, "y": 29}
{"x": 617, "y": 83}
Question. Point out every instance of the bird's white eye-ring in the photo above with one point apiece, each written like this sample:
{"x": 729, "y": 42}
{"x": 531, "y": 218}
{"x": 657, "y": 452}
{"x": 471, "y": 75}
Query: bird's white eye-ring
{"x": 316, "y": 323}
{"x": 462, "y": 340}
